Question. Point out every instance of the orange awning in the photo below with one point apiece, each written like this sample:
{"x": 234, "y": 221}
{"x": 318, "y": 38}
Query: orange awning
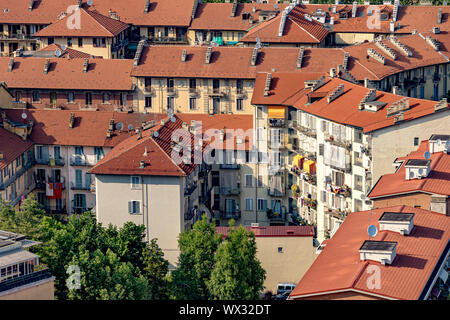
{"x": 309, "y": 166}
{"x": 276, "y": 112}
{"x": 298, "y": 161}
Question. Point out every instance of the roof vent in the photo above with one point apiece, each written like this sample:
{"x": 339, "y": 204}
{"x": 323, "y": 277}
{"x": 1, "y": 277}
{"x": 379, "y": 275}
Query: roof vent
{"x": 11, "y": 64}
{"x": 46, "y": 66}
{"x": 194, "y": 9}
{"x": 345, "y": 64}
{"x": 439, "y": 143}
{"x": 142, "y": 164}
{"x": 208, "y": 55}
{"x": 300, "y": 57}
{"x": 30, "y": 6}
{"x": 393, "y": 39}
{"x": 417, "y": 169}
{"x": 138, "y": 54}
{"x": 354, "y": 8}
{"x": 398, "y": 107}
{"x": 392, "y": 26}
{"x": 397, "y": 222}
{"x": 433, "y": 43}
{"x": 111, "y": 125}
{"x": 147, "y": 6}
{"x": 441, "y": 105}
{"x": 439, "y": 18}
{"x": 391, "y": 53}
{"x": 267, "y": 86}
{"x": 381, "y": 251}
{"x": 183, "y": 55}
{"x": 436, "y": 30}
{"x": 139, "y": 134}
{"x": 319, "y": 82}
{"x": 85, "y": 65}
{"x": 376, "y": 55}
{"x": 233, "y": 9}
{"x": 333, "y": 73}
{"x": 71, "y": 120}
{"x": 80, "y": 2}
{"x": 336, "y": 93}
{"x": 254, "y": 57}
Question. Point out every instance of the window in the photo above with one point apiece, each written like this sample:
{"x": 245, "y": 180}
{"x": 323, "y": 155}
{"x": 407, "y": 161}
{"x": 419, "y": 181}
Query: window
{"x": 134, "y": 207}
{"x": 259, "y": 113}
{"x": 358, "y": 205}
{"x": 260, "y": 181}
{"x": 416, "y": 141}
{"x": 36, "y": 97}
{"x": 260, "y": 134}
{"x": 123, "y": 99}
{"x": 338, "y": 178}
{"x": 358, "y": 136}
{"x": 249, "y": 180}
{"x": 51, "y": 40}
{"x": 78, "y": 178}
{"x": 69, "y": 42}
{"x": 170, "y": 103}
{"x": 192, "y": 83}
{"x": 358, "y": 182}
{"x": 57, "y": 152}
{"x": 135, "y": 182}
{"x": 192, "y": 104}
{"x": 248, "y": 204}
{"x": 280, "y": 249}
{"x": 106, "y": 97}
{"x": 148, "y": 102}
{"x": 70, "y": 97}
{"x": 18, "y": 95}
{"x": 88, "y": 98}
{"x": 262, "y": 205}
{"x": 99, "y": 154}
{"x": 79, "y": 202}
{"x": 80, "y": 42}
{"x": 148, "y": 83}
{"x": 239, "y": 105}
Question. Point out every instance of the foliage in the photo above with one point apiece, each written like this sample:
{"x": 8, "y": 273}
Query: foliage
{"x": 237, "y": 273}
{"x": 196, "y": 261}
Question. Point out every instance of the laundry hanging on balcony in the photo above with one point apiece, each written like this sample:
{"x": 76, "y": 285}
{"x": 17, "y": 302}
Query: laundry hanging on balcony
{"x": 334, "y": 156}
{"x": 53, "y": 190}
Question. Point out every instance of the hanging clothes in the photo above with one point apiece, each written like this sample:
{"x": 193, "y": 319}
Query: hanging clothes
{"x": 49, "y": 189}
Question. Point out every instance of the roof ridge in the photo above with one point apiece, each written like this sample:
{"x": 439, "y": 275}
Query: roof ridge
{"x": 303, "y": 28}
{"x": 178, "y": 166}
{"x": 98, "y": 22}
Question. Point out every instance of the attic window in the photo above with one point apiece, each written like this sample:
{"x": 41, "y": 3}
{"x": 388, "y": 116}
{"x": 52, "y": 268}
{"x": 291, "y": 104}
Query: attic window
{"x": 245, "y": 16}
{"x": 280, "y": 249}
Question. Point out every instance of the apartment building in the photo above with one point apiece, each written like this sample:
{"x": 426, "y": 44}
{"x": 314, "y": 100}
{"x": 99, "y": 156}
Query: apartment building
{"x": 213, "y": 80}
{"x": 401, "y": 262}
{"x": 337, "y": 138}
{"x": 66, "y": 145}
{"x": 16, "y": 162}
{"x": 285, "y": 253}
{"x": 420, "y": 180}
{"x": 87, "y": 31}
{"x": 227, "y": 23}
{"x": 139, "y": 181}
{"x": 72, "y": 84}
{"x": 21, "y": 275}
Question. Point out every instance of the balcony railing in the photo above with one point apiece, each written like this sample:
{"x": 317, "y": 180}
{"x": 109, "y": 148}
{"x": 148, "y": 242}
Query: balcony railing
{"x": 24, "y": 280}
{"x": 310, "y": 132}
{"x": 336, "y": 213}
{"x": 149, "y": 90}
{"x": 291, "y": 143}
{"x": 216, "y": 92}
{"x": 83, "y": 160}
{"x": 171, "y": 91}
{"x": 79, "y": 210}
{"x": 190, "y": 189}
{"x": 275, "y": 193}
{"x": 194, "y": 92}
{"x": 277, "y": 123}
{"x": 50, "y": 161}
{"x": 338, "y": 142}
{"x": 80, "y": 186}
{"x": 240, "y": 93}
{"x": 16, "y": 175}
{"x": 167, "y": 40}
{"x": 233, "y": 214}
{"x": 276, "y": 145}
{"x": 227, "y": 191}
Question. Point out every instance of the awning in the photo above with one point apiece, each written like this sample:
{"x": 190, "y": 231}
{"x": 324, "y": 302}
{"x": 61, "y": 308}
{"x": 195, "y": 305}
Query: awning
{"x": 298, "y": 161}
{"x": 309, "y": 166}
{"x": 276, "y": 112}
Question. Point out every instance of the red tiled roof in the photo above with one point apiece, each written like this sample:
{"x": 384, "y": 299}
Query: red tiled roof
{"x": 103, "y": 74}
{"x": 437, "y": 182}
{"x": 92, "y": 24}
{"x": 217, "y": 16}
{"x": 176, "y": 13}
{"x": 52, "y": 127}
{"x": 44, "y": 11}
{"x": 423, "y": 55}
{"x": 12, "y": 146}
{"x": 69, "y": 52}
{"x": 344, "y": 109}
{"x": 296, "y": 30}
{"x": 275, "y": 231}
{"x": 231, "y": 62}
{"x": 338, "y": 266}
{"x": 125, "y": 158}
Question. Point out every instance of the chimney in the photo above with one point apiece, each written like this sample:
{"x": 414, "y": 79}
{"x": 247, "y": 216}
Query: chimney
{"x": 208, "y": 55}
{"x": 139, "y": 134}
{"x": 147, "y": 6}
{"x": 400, "y": 222}
{"x": 333, "y": 73}
{"x": 183, "y": 55}
{"x": 80, "y": 2}
{"x": 381, "y": 251}
{"x": 366, "y": 82}
{"x": 46, "y": 66}
{"x": 417, "y": 169}
{"x": 267, "y": 86}
{"x": 111, "y": 125}
{"x": 142, "y": 164}
{"x": 395, "y": 90}
{"x": 11, "y": 64}
{"x": 85, "y": 65}
{"x": 331, "y": 20}
{"x": 301, "y": 52}
{"x": 392, "y": 26}
{"x": 439, "y": 19}
{"x": 30, "y": 7}
{"x": 354, "y": 9}
{"x": 436, "y": 30}
{"x": 438, "y": 203}
{"x": 254, "y": 57}
{"x": 336, "y": 93}
{"x": 71, "y": 120}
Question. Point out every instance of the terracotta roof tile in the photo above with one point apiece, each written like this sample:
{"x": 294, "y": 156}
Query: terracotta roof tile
{"x": 338, "y": 266}
{"x": 275, "y": 231}
{"x": 69, "y": 52}
{"x": 12, "y": 146}
{"x": 437, "y": 182}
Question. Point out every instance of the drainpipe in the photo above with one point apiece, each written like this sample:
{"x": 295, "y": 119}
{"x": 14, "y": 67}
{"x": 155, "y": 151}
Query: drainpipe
{"x": 68, "y": 179}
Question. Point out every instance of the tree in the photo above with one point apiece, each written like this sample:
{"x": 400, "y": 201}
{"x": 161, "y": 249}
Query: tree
{"x": 237, "y": 273}
{"x": 196, "y": 261}
{"x": 155, "y": 270}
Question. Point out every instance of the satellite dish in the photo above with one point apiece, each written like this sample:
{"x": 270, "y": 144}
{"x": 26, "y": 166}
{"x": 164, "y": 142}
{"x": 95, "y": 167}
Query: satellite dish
{"x": 63, "y": 47}
{"x": 172, "y": 119}
{"x": 57, "y": 53}
{"x": 89, "y": 2}
{"x": 156, "y": 134}
{"x": 24, "y": 116}
{"x": 427, "y": 155}
{"x": 439, "y": 141}
{"x": 421, "y": 171}
{"x": 411, "y": 174}
{"x": 372, "y": 231}
{"x": 447, "y": 145}
{"x": 119, "y": 126}
{"x": 130, "y": 127}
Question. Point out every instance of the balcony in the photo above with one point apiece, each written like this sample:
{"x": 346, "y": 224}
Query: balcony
{"x": 231, "y": 214}
{"x": 343, "y": 190}
{"x": 79, "y": 210}
{"x": 275, "y": 192}
{"x": 194, "y": 92}
{"x": 80, "y": 187}
{"x": 190, "y": 188}
{"x": 149, "y": 91}
{"x": 55, "y": 210}
{"x": 25, "y": 280}
{"x": 337, "y": 142}
{"x": 167, "y": 40}
{"x": 336, "y": 213}
{"x": 273, "y": 215}
{"x": 310, "y": 132}
{"x": 171, "y": 91}
{"x": 240, "y": 93}
{"x": 291, "y": 143}
{"x": 82, "y": 161}
{"x": 230, "y": 191}
{"x": 230, "y": 166}
{"x": 216, "y": 92}
{"x": 276, "y": 123}
{"x": 16, "y": 175}
{"x": 50, "y": 161}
